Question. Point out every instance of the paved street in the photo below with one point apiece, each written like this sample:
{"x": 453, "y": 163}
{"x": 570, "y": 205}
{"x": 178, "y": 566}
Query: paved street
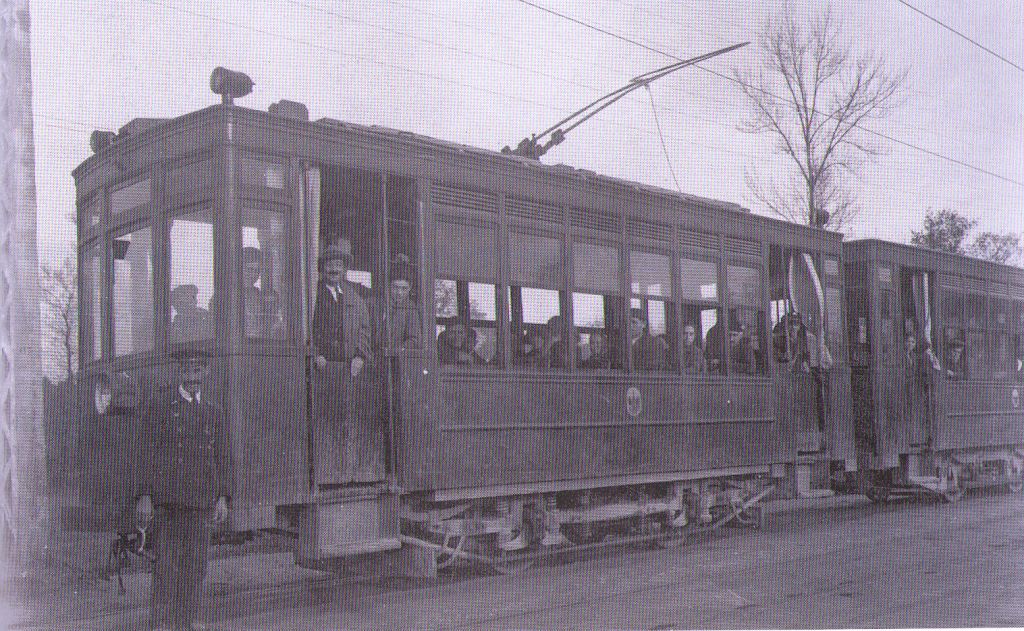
{"x": 909, "y": 564}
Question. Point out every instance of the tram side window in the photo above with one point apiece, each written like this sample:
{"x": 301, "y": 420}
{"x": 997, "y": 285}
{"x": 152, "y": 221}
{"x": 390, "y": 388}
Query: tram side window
{"x": 191, "y": 276}
{"x": 999, "y": 338}
{"x": 698, "y": 292}
{"x": 1018, "y": 329}
{"x": 92, "y": 279}
{"x": 954, "y": 335}
{"x": 652, "y": 314}
{"x": 538, "y": 328}
{"x": 263, "y": 268}
{"x": 132, "y": 291}
{"x": 465, "y": 302}
{"x": 466, "y": 323}
{"x": 539, "y": 337}
{"x": 746, "y": 321}
{"x": 597, "y": 305}
{"x": 976, "y": 312}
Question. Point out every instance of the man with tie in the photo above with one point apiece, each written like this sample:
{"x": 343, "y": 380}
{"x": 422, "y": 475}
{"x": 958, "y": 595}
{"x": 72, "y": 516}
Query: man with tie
{"x": 185, "y": 483}
{"x": 341, "y": 350}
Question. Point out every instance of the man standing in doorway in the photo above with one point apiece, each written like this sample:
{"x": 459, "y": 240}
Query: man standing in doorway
{"x": 341, "y": 350}
{"x": 185, "y": 485}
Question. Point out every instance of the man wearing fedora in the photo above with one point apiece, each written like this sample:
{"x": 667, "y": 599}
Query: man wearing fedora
{"x": 185, "y": 484}
{"x": 341, "y": 350}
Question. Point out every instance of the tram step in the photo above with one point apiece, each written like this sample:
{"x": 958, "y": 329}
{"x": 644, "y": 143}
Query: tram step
{"x": 347, "y": 528}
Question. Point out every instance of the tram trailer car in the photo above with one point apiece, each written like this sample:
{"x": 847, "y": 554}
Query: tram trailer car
{"x": 936, "y": 350}
{"x": 226, "y": 209}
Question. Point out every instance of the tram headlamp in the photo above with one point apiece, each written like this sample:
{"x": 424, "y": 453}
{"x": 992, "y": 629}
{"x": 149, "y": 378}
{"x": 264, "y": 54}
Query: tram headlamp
{"x": 230, "y": 84}
{"x": 102, "y": 394}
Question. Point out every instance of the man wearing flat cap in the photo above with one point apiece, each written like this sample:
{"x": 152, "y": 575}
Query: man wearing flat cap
{"x": 185, "y": 483}
{"x": 341, "y": 350}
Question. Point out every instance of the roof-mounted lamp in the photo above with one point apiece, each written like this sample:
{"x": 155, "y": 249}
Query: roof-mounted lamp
{"x": 230, "y": 84}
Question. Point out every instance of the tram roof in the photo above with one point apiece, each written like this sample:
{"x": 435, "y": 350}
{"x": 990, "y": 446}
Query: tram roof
{"x": 949, "y": 262}
{"x": 140, "y": 130}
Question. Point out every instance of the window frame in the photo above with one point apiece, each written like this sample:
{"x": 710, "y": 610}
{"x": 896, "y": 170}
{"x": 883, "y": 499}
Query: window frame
{"x": 124, "y": 228}
{"x": 683, "y": 303}
{"x": 669, "y": 299}
{"x": 619, "y": 362}
{"x": 215, "y": 309}
{"x": 761, "y": 313}
{"x": 289, "y": 276}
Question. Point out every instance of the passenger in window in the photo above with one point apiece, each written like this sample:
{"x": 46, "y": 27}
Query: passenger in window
{"x": 404, "y": 328}
{"x": 262, "y": 306}
{"x": 714, "y": 350}
{"x": 649, "y": 352}
{"x": 693, "y": 361}
{"x": 741, "y": 355}
{"x": 341, "y": 319}
{"x": 190, "y": 322}
{"x": 532, "y": 349}
{"x": 556, "y": 350}
{"x": 954, "y": 359}
{"x": 599, "y": 355}
{"x": 456, "y": 345}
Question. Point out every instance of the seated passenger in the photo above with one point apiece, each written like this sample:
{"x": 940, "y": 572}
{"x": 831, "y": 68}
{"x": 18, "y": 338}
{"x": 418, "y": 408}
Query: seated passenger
{"x": 556, "y": 351}
{"x": 532, "y": 349}
{"x": 713, "y": 351}
{"x": 262, "y": 306}
{"x": 404, "y": 329}
{"x": 190, "y": 321}
{"x": 599, "y": 355}
{"x": 954, "y": 355}
{"x": 455, "y": 346}
{"x": 693, "y": 361}
{"x": 741, "y": 355}
{"x": 649, "y": 353}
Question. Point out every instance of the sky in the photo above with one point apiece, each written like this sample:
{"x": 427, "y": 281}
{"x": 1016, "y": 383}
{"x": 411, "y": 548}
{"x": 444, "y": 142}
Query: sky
{"x": 489, "y": 73}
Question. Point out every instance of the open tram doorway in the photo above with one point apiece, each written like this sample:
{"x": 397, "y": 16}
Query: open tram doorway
{"x": 799, "y": 344}
{"x": 919, "y": 357}
{"x": 371, "y": 218}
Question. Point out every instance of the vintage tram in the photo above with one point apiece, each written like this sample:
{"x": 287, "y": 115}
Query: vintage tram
{"x": 677, "y": 397}
{"x": 937, "y": 354}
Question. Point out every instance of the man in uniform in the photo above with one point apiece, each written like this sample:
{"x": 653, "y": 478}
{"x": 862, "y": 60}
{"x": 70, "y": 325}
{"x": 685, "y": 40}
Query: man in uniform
{"x": 693, "y": 362}
{"x": 186, "y": 481}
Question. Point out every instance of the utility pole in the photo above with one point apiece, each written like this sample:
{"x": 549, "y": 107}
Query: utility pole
{"x": 24, "y": 519}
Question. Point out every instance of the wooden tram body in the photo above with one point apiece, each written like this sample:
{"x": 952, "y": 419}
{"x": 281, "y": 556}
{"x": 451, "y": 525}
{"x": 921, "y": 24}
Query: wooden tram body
{"x": 965, "y": 427}
{"x": 485, "y": 449}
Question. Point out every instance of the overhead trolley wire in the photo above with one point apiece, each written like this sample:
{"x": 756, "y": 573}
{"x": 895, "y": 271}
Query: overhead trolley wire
{"x": 770, "y": 94}
{"x": 953, "y": 30}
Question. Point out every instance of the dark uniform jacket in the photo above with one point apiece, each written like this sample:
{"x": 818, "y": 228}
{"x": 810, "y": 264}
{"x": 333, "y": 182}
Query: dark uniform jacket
{"x": 186, "y": 459}
{"x": 341, "y": 327}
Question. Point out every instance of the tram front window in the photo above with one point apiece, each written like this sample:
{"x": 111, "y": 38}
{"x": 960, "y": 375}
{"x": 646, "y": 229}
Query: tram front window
{"x": 263, "y": 274}
{"x": 133, "y": 292}
{"x": 191, "y": 276}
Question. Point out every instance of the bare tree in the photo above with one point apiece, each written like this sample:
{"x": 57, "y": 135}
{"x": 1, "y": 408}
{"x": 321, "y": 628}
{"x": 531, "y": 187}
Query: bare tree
{"x": 811, "y": 92}
{"x": 59, "y": 297}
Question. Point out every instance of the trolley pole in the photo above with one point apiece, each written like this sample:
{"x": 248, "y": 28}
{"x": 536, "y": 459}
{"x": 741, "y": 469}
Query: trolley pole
{"x": 23, "y": 488}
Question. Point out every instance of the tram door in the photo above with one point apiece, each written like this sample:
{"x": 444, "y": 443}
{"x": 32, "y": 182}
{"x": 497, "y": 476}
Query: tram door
{"x": 344, "y": 216}
{"x": 919, "y": 358}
